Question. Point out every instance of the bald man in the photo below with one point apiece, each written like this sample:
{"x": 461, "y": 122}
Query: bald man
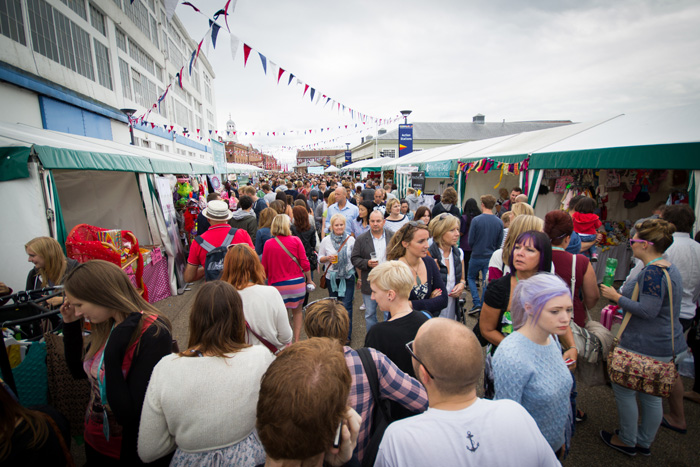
{"x": 520, "y": 199}
{"x": 348, "y": 210}
{"x": 459, "y": 428}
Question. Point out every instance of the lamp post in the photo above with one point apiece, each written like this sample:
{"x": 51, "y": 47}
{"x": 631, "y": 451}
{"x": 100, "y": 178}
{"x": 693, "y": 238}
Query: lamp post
{"x": 129, "y": 113}
{"x": 405, "y": 114}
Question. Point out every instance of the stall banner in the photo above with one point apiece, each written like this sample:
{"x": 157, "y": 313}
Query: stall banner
{"x": 438, "y": 169}
{"x": 165, "y": 196}
{"x": 348, "y": 158}
{"x": 405, "y": 139}
{"x": 217, "y": 152}
{"x": 406, "y": 169}
{"x": 418, "y": 180}
{"x": 315, "y": 170}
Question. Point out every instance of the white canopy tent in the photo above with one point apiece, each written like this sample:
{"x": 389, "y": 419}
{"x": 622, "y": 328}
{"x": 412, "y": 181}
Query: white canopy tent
{"x": 331, "y": 169}
{"x": 234, "y": 168}
{"x": 367, "y": 165}
{"x": 57, "y": 180}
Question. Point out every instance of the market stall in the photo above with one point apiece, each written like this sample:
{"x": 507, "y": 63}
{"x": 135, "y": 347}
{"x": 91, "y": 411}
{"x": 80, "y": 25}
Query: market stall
{"x": 58, "y": 181}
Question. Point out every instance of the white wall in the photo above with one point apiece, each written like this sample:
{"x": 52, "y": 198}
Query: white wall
{"x": 21, "y": 105}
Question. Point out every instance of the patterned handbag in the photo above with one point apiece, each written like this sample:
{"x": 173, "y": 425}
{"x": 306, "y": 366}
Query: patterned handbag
{"x": 638, "y": 372}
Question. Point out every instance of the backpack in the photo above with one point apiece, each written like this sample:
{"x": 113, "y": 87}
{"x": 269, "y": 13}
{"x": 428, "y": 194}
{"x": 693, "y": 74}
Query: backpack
{"x": 382, "y": 416}
{"x": 214, "y": 262}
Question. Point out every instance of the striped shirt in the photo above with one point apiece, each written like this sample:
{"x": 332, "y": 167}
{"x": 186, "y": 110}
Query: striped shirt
{"x": 394, "y": 385}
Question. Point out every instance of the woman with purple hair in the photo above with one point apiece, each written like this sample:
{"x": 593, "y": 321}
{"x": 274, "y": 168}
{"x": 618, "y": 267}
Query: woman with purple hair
{"x": 528, "y": 367}
{"x": 531, "y": 254}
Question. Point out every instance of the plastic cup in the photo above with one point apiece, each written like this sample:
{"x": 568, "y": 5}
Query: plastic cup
{"x": 373, "y": 256}
{"x": 334, "y": 259}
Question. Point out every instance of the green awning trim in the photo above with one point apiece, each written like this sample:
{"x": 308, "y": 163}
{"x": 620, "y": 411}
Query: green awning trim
{"x": 661, "y": 156}
{"x": 58, "y": 158}
{"x": 202, "y": 168}
{"x": 170, "y": 167}
{"x": 13, "y": 163}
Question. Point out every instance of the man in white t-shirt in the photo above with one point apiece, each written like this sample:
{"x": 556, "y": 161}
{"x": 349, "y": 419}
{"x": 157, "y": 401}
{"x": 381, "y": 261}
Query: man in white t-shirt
{"x": 459, "y": 428}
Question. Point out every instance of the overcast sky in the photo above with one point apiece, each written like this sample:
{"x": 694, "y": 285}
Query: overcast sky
{"x": 447, "y": 61}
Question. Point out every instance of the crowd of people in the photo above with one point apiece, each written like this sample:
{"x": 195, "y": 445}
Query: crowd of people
{"x": 267, "y": 378}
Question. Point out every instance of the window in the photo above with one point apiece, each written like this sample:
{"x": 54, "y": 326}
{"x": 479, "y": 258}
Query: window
{"x": 154, "y": 32}
{"x": 139, "y": 92}
{"x": 42, "y": 29}
{"x": 181, "y": 114}
{"x": 124, "y": 76}
{"x": 97, "y": 19}
{"x": 145, "y": 143}
{"x": 200, "y": 125}
{"x": 176, "y": 56}
{"x": 152, "y": 5}
{"x": 104, "y": 71}
{"x": 59, "y": 39}
{"x": 121, "y": 40}
{"x": 11, "y": 23}
{"x": 77, "y": 6}
{"x": 207, "y": 88}
{"x": 210, "y": 116}
{"x": 159, "y": 73}
{"x": 195, "y": 81}
{"x": 141, "y": 57}
{"x": 137, "y": 13}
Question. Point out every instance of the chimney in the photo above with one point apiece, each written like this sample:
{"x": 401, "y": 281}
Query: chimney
{"x": 478, "y": 118}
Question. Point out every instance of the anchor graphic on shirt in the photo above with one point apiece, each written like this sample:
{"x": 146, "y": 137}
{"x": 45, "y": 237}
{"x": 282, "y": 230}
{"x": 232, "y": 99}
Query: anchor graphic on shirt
{"x": 471, "y": 441}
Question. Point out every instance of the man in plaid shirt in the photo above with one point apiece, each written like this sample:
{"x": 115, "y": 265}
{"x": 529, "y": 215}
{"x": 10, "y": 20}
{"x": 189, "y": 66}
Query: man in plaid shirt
{"x": 328, "y": 318}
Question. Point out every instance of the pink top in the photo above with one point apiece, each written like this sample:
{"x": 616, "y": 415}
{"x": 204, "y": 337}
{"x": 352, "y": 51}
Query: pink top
{"x": 277, "y": 263}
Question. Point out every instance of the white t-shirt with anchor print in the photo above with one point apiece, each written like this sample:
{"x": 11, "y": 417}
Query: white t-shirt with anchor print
{"x": 493, "y": 433}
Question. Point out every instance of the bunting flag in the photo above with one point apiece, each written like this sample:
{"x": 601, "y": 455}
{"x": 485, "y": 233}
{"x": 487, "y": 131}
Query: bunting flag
{"x": 235, "y": 42}
{"x": 279, "y": 75}
{"x": 185, "y": 3}
{"x": 246, "y": 53}
{"x": 199, "y": 47}
{"x": 226, "y": 13}
{"x": 313, "y": 91}
{"x": 306, "y": 88}
{"x": 214, "y": 32}
{"x": 192, "y": 61}
{"x": 264, "y": 62}
{"x": 160, "y": 99}
{"x": 291, "y": 77}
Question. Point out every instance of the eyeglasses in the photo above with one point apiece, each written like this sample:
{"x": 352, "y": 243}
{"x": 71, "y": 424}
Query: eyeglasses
{"x": 637, "y": 240}
{"x": 409, "y": 347}
{"x": 335, "y": 299}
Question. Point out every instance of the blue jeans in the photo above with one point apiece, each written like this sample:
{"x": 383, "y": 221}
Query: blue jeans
{"x": 628, "y": 414}
{"x": 370, "y": 311}
{"x": 477, "y": 265}
{"x": 588, "y": 238}
{"x": 347, "y": 300}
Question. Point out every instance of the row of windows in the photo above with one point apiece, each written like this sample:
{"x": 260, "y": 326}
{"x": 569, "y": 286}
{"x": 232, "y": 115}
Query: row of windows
{"x": 141, "y": 57}
{"x": 11, "y": 24}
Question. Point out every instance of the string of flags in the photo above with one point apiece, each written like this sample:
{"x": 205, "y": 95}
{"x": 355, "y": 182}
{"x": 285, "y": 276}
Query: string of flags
{"x": 487, "y": 164}
{"x": 315, "y": 95}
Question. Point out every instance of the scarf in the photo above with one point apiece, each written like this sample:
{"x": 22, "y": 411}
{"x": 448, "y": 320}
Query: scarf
{"x": 338, "y": 276}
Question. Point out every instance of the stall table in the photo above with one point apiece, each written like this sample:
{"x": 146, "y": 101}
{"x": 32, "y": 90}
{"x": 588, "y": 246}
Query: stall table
{"x": 622, "y": 253}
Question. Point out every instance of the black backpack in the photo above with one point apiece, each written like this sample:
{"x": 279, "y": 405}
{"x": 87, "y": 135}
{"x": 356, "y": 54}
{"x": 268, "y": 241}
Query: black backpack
{"x": 382, "y": 414}
{"x": 214, "y": 263}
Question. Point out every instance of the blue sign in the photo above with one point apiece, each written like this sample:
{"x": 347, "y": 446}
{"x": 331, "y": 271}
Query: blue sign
{"x": 348, "y": 157}
{"x": 405, "y": 139}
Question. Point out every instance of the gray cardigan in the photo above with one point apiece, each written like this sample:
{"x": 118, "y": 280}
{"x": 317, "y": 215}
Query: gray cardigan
{"x": 360, "y": 256}
{"x": 649, "y": 329}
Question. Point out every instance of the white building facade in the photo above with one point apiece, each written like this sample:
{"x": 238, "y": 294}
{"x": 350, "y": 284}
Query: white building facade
{"x": 71, "y": 65}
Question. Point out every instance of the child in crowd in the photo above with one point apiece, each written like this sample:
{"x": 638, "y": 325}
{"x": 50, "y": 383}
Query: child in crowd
{"x": 587, "y": 224}
{"x": 506, "y": 218}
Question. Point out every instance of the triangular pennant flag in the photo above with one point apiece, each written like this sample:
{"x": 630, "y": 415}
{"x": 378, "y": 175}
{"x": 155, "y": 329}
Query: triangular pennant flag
{"x": 279, "y": 74}
{"x": 194, "y": 52}
{"x": 179, "y": 77}
{"x": 226, "y": 13}
{"x": 313, "y": 91}
{"x": 234, "y": 46}
{"x": 153, "y": 125}
{"x": 306, "y": 88}
{"x": 264, "y": 62}
{"x": 188, "y": 4}
{"x": 171, "y": 128}
{"x": 214, "y": 32}
{"x": 246, "y": 53}
{"x": 318, "y": 98}
{"x": 210, "y": 132}
{"x": 291, "y": 77}
{"x": 165, "y": 127}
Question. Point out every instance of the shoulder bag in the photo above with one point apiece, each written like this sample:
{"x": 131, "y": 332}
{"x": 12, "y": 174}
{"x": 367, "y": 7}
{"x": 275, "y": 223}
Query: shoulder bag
{"x": 587, "y": 344}
{"x": 296, "y": 261}
{"x": 638, "y": 372}
{"x": 381, "y": 417}
{"x": 271, "y": 347}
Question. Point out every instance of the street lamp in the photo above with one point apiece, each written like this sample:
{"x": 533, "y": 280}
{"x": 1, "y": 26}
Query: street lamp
{"x": 405, "y": 114}
{"x": 129, "y": 113}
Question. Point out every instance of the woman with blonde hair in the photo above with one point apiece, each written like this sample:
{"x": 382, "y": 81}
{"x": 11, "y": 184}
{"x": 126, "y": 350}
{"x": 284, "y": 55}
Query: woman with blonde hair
{"x": 263, "y": 234}
{"x": 522, "y": 209}
{"x": 201, "y": 402}
{"x": 335, "y": 250}
{"x": 287, "y": 268}
{"x": 50, "y": 265}
{"x": 410, "y": 246}
{"x": 449, "y": 257}
{"x": 127, "y": 339}
{"x": 394, "y": 219}
{"x": 500, "y": 260}
{"x": 263, "y": 306}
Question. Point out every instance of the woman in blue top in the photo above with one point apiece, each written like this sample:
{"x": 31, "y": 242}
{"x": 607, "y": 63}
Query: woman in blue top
{"x": 647, "y": 333}
{"x": 527, "y": 365}
{"x": 360, "y": 225}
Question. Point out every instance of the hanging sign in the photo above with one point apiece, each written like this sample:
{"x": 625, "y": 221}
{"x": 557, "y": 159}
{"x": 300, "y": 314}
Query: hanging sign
{"x": 438, "y": 169}
{"x": 219, "y": 156}
{"x": 348, "y": 158}
{"x": 406, "y": 169}
{"x": 405, "y": 139}
{"x": 418, "y": 180}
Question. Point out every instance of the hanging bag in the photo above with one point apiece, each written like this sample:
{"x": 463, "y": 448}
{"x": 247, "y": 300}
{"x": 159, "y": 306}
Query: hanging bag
{"x": 382, "y": 417}
{"x": 638, "y": 372}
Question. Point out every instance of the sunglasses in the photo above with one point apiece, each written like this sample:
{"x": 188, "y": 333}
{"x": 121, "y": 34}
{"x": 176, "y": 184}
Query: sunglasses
{"x": 409, "y": 347}
{"x": 335, "y": 299}
{"x": 637, "y": 240}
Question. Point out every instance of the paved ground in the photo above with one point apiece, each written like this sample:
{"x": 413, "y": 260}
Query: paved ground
{"x": 669, "y": 449}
